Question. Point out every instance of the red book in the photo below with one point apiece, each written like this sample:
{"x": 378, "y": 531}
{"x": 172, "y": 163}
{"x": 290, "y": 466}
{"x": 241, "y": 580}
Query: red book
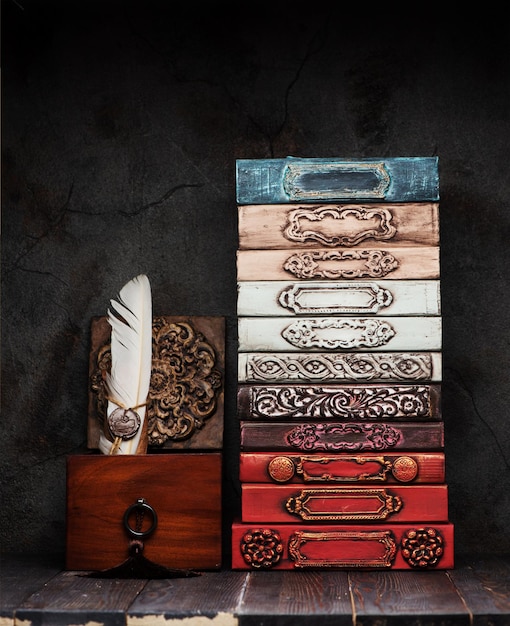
{"x": 384, "y": 546}
{"x": 341, "y": 436}
{"x": 292, "y": 467}
{"x": 290, "y": 503}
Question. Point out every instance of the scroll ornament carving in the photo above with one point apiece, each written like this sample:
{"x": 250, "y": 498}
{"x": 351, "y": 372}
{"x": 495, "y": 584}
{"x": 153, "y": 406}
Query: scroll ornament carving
{"x": 364, "y": 367}
{"x": 343, "y": 436}
{"x": 262, "y": 548}
{"x": 185, "y": 383}
{"x": 353, "y": 225}
{"x": 362, "y": 403}
{"x": 333, "y": 264}
{"x": 422, "y": 548}
{"x": 350, "y": 333}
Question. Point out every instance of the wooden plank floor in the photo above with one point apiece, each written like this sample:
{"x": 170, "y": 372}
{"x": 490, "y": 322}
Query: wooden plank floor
{"x": 36, "y": 591}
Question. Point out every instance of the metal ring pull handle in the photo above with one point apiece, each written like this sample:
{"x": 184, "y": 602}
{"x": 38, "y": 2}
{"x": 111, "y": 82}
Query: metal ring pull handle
{"x": 141, "y": 508}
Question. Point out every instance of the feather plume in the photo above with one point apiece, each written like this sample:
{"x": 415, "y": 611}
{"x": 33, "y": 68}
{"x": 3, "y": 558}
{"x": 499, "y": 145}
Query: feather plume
{"x": 127, "y": 385}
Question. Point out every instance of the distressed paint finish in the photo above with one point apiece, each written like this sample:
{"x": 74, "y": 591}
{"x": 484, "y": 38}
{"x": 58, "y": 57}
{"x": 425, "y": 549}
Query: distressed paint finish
{"x": 369, "y": 402}
{"x": 333, "y": 437}
{"x": 301, "y": 546}
{"x": 343, "y": 504}
{"x": 338, "y": 226}
{"x": 259, "y": 334}
{"x": 280, "y": 298}
{"x": 342, "y": 468}
{"x": 402, "y": 179}
{"x": 347, "y": 264}
{"x": 339, "y": 366}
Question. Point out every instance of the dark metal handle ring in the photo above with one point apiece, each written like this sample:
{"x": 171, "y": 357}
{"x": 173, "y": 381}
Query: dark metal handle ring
{"x": 142, "y": 507}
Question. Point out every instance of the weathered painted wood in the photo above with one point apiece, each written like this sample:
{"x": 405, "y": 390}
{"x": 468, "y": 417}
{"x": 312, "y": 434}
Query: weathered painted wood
{"x": 319, "y": 334}
{"x": 334, "y": 264}
{"x": 339, "y": 366}
{"x": 338, "y": 226}
{"x": 341, "y": 468}
{"x": 22, "y": 575}
{"x": 399, "y": 597}
{"x": 341, "y": 436}
{"x": 261, "y": 598}
{"x": 312, "y": 598}
{"x": 484, "y": 584}
{"x": 368, "y": 402}
{"x": 203, "y": 600}
{"x": 295, "y": 179}
{"x": 72, "y": 599}
{"x": 344, "y": 503}
{"x": 184, "y": 489}
{"x": 301, "y": 546}
{"x": 281, "y": 298}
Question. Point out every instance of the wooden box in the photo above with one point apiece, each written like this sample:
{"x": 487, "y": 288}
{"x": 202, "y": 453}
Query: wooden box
{"x": 184, "y": 489}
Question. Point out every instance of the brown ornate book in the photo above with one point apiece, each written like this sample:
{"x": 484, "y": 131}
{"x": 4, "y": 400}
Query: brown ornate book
{"x": 339, "y": 402}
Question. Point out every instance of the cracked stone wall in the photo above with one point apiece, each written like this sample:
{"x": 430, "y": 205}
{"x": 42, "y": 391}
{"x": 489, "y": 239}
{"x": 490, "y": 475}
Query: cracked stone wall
{"x": 122, "y": 122}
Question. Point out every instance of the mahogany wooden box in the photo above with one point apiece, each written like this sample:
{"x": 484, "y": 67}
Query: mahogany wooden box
{"x": 184, "y": 489}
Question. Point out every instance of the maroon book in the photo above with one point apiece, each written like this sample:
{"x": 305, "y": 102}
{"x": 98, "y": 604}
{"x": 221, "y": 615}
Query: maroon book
{"x": 341, "y": 436}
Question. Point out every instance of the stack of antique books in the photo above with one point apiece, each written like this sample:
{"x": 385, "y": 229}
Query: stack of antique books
{"x": 339, "y": 375}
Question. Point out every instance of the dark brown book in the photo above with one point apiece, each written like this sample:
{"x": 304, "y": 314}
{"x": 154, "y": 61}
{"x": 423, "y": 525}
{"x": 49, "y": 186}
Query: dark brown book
{"x": 340, "y": 402}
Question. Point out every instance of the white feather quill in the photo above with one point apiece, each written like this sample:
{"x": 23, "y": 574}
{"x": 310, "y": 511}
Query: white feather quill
{"x": 127, "y": 386}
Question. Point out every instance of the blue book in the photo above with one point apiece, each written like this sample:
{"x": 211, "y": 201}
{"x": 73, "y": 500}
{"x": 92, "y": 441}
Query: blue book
{"x": 312, "y": 180}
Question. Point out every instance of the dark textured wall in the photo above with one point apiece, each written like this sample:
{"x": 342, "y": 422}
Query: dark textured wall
{"x": 122, "y": 122}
